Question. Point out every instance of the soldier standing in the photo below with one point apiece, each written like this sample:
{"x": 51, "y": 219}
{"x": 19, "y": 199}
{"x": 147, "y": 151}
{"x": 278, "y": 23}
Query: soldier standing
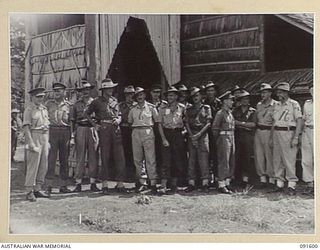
{"x": 16, "y": 124}
{"x": 59, "y": 137}
{"x": 244, "y": 121}
{"x": 262, "y": 149}
{"x": 171, "y": 126}
{"x": 142, "y": 118}
{"x": 198, "y": 120}
{"x": 285, "y": 133}
{"x": 155, "y": 93}
{"x": 108, "y": 118}
{"x": 36, "y": 126}
{"x": 223, "y": 130}
{"x": 85, "y": 140}
{"x": 307, "y": 160}
{"x": 126, "y": 131}
{"x": 215, "y": 105}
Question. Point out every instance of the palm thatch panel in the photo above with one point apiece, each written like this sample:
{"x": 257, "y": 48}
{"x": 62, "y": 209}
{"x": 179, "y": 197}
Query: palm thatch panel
{"x": 220, "y": 56}
{"x": 243, "y": 39}
{"x": 218, "y": 24}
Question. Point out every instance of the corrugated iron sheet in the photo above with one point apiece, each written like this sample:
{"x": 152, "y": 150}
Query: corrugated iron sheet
{"x": 164, "y": 32}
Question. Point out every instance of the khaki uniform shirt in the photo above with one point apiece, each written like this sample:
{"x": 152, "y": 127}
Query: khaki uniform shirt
{"x": 77, "y": 111}
{"x": 104, "y": 109}
{"x": 36, "y": 117}
{"x": 125, "y": 108}
{"x": 223, "y": 121}
{"x": 286, "y": 114}
{"x": 58, "y": 112}
{"x": 264, "y": 113}
{"x": 172, "y": 117}
{"x": 308, "y": 113}
{"x": 143, "y": 116}
{"x": 197, "y": 118}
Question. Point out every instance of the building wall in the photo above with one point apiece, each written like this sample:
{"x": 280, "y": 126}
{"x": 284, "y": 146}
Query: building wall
{"x": 221, "y": 44}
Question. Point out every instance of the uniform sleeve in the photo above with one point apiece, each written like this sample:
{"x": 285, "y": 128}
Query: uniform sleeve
{"x": 161, "y": 115}
{"x": 217, "y": 121}
{"x": 155, "y": 115}
{"x": 304, "y": 111}
{"x": 91, "y": 107}
{"x": 72, "y": 113}
{"x": 296, "y": 111}
{"x": 209, "y": 115}
{"x": 130, "y": 116}
{"x": 27, "y": 119}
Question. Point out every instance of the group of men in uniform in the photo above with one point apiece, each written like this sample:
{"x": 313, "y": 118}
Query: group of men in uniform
{"x": 168, "y": 141}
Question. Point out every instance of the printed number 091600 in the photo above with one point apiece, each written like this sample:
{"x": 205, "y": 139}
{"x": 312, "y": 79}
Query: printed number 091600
{"x": 308, "y": 245}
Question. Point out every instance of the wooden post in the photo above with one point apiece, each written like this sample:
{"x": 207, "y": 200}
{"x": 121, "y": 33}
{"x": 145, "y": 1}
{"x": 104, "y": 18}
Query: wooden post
{"x": 262, "y": 47}
{"x": 28, "y": 69}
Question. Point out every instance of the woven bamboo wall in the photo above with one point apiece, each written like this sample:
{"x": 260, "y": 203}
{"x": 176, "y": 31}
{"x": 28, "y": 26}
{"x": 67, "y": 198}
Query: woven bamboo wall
{"x": 220, "y": 44}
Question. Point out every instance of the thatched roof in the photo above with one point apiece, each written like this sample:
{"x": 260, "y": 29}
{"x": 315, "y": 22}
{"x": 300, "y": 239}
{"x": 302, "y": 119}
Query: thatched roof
{"x": 299, "y": 80}
{"x": 303, "y": 21}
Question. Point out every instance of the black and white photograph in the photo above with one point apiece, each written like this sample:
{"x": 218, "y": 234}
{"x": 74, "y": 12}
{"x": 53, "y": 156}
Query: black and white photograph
{"x": 161, "y": 123}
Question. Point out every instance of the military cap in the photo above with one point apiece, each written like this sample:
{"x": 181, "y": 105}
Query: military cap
{"x": 265, "y": 86}
{"x": 58, "y": 85}
{"x": 243, "y": 94}
{"x": 226, "y": 95}
{"x": 182, "y": 87}
{"x": 283, "y": 86}
{"x": 37, "y": 92}
{"x": 235, "y": 89}
{"x": 15, "y": 110}
{"x": 129, "y": 89}
{"x": 107, "y": 84}
{"x": 138, "y": 90}
{"x": 156, "y": 88}
{"x": 211, "y": 84}
{"x": 85, "y": 85}
{"x": 194, "y": 91}
{"x": 171, "y": 89}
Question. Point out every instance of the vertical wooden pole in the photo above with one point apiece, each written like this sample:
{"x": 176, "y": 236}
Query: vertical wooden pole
{"x": 262, "y": 44}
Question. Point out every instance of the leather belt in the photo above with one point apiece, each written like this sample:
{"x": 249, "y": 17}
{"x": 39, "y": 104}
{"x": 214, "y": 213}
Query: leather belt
{"x": 40, "y": 131}
{"x": 143, "y": 127}
{"x": 174, "y": 129}
{"x": 263, "y": 127}
{"x": 290, "y": 128}
{"x": 226, "y": 132}
{"x": 60, "y": 127}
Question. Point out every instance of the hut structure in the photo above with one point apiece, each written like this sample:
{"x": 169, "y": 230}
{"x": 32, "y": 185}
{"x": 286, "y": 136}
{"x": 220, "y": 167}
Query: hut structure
{"x": 248, "y": 50}
{"x": 131, "y": 49}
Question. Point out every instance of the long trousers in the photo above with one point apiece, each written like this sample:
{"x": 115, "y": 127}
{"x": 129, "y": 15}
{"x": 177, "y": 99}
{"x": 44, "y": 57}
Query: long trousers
{"x": 226, "y": 157}
{"x": 307, "y": 160}
{"x": 174, "y": 157}
{"x": 85, "y": 146}
{"x": 37, "y": 162}
{"x": 143, "y": 147}
{"x": 59, "y": 139}
{"x": 127, "y": 146}
{"x": 263, "y": 154}
{"x": 200, "y": 154}
{"x": 284, "y": 158}
{"x": 110, "y": 139}
{"x": 244, "y": 150}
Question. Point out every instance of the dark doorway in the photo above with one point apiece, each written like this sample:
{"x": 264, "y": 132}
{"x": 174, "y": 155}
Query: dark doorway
{"x": 135, "y": 60}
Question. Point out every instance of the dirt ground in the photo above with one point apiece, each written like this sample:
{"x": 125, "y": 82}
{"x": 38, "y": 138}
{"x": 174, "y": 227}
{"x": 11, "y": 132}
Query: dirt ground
{"x": 254, "y": 212}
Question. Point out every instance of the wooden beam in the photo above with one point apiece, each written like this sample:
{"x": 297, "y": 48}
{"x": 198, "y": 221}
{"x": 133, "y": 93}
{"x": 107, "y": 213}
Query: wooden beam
{"x": 224, "y": 72}
{"x": 220, "y": 34}
{"x": 221, "y": 50}
{"x": 205, "y": 19}
{"x": 59, "y": 70}
{"x": 58, "y": 51}
{"x": 220, "y": 63}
